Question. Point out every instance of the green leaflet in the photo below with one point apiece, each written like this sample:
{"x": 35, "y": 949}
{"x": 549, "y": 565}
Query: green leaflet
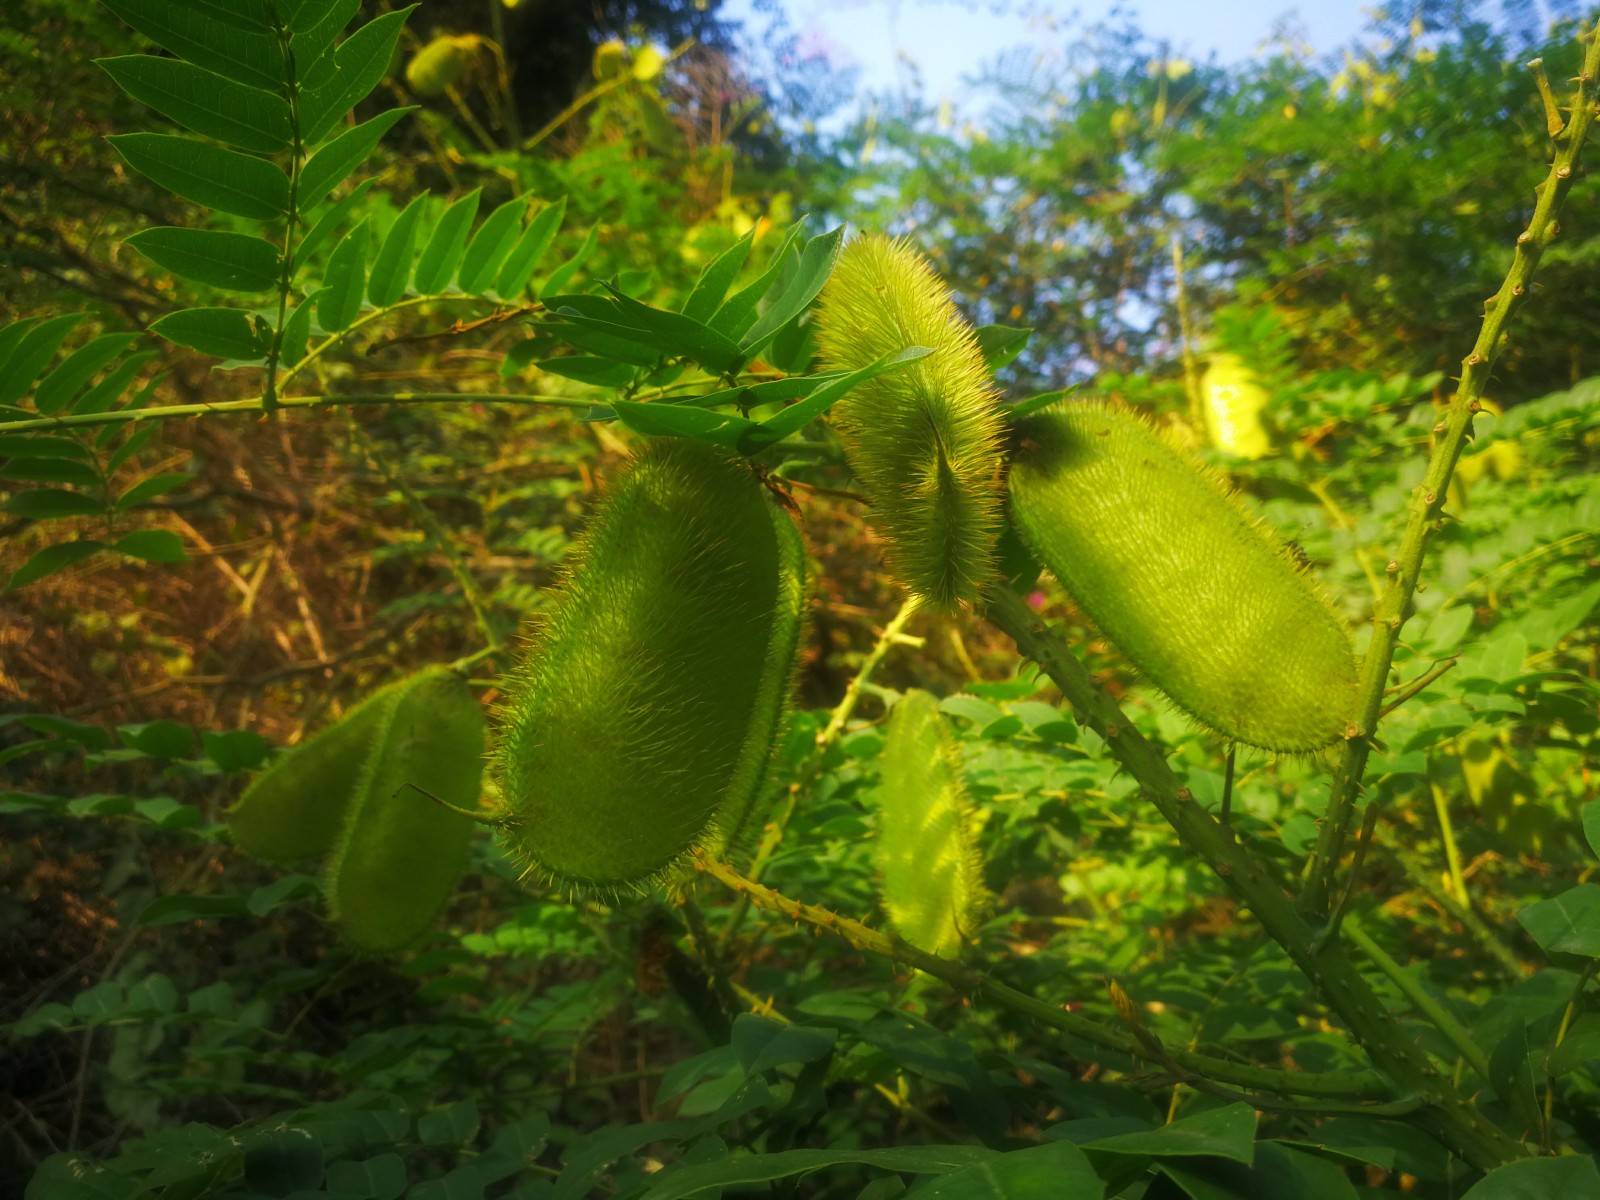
{"x": 1200, "y": 596}
{"x": 640, "y": 725}
{"x": 925, "y": 441}
{"x": 400, "y": 850}
{"x": 926, "y": 850}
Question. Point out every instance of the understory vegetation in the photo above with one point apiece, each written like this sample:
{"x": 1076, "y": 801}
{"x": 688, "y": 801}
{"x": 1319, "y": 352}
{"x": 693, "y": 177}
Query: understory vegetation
{"x": 588, "y": 612}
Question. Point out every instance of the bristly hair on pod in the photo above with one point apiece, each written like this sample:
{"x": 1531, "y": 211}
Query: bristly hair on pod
{"x": 925, "y": 440}
{"x": 1200, "y": 594}
{"x": 640, "y": 723}
{"x": 926, "y": 850}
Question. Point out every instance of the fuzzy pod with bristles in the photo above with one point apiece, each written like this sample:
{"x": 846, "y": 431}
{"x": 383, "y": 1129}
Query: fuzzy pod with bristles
{"x": 438, "y": 65}
{"x": 640, "y": 724}
{"x": 295, "y": 808}
{"x": 406, "y": 831}
{"x": 1201, "y": 597}
{"x": 932, "y": 874}
{"x": 924, "y": 440}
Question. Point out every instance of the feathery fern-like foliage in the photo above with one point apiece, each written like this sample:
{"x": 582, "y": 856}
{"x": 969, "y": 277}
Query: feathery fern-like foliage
{"x": 924, "y": 441}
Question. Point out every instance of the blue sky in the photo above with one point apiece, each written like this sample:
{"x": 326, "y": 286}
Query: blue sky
{"x": 950, "y": 40}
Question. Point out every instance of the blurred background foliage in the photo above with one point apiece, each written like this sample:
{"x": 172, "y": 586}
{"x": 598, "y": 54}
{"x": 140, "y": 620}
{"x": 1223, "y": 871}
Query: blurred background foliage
{"x": 1281, "y": 258}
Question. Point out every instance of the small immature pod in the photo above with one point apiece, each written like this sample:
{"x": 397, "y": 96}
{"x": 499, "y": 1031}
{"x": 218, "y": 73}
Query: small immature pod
{"x": 1200, "y": 596}
{"x": 640, "y": 724}
{"x": 401, "y": 851}
{"x": 924, "y": 440}
{"x": 294, "y": 809}
{"x": 440, "y": 63}
{"x": 926, "y": 850}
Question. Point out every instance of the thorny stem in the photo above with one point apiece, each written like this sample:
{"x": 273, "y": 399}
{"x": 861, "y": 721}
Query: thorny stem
{"x": 1443, "y": 1113}
{"x": 1426, "y": 509}
{"x": 1347, "y": 1086}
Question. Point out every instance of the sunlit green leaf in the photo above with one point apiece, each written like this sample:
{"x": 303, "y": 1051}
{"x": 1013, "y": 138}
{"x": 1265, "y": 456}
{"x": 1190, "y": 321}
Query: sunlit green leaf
{"x": 204, "y": 101}
{"x": 717, "y": 278}
{"x": 524, "y": 258}
{"x": 490, "y": 245}
{"x": 331, "y": 164}
{"x": 391, "y": 269}
{"x": 344, "y": 282}
{"x": 234, "y": 262}
{"x": 221, "y": 332}
{"x": 231, "y": 47}
{"x": 442, "y": 254}
{"x": 360, "y": 62}
{"x": 219, "y": 178}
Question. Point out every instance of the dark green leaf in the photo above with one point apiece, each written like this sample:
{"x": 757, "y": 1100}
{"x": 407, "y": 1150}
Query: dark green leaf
{"x": 45, "y": 503}
{"x": 39, "y": 445}
{"x": 562, "y": 275}
{"x": 797, "y": 416}
{"x": 281, "y": 1162}
{"x": 10, "y": 338}
{"x": 52, "y": 559}
{"x": 524, "y": 258}
{"x": 220, "y": 332}
{"x": 158, "y": 739}
{"x": 760, "y": 1168}
{"x": 149, "y": 489}
{"x": 1564, "y": 1178}
{"x": 601, "y": 372}
{"x": 359, "y": 62}
{"x": 32, "y": 354}
{"x": 1566, "y": 924}
{"x": 174, "y": 910}
{"x": 204, "y": 101}
{"x": 454, "y": 1125}
{"x": 51, "y": 470}
{"x": 330, "y": 220}
{"x": 682, "y": 420}
{"x": 738, "y": 311}
{"x": 105, "y": 394}
{"x": 57, "y": 389}
{"x": 816, "y": 263}
{"x": 490, "y": 245}
{"x": 717, "y": 278}
{"x": 297, "y": 331}
{"x": 151, "y": 545}
{"x": 236, "y": 749}
{"x": 379, "y": 1178}
{"x": 1000, "y": 344}
{"x": 1227, "y": 1132}
{"x": 673, "y": 334}
{"x": 233, "y": 261}
{"x": 212, "y": 175}
{"x": 331, "y": 164}
{"x": 1055, "y": 1171}
{"x": 345, "y": 282}
{"x": 230, "y": 47}
{"x": 391, "y": 270}
{"x": 1277, "y": 1171}
{"x": 1591, "y": 825}
{"x": 442, "y": 254}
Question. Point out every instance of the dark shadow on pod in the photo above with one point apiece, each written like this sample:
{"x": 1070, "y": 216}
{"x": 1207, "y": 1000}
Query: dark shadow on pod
{"x": 640, "y": 724}
{"x": 1201, "y": 596}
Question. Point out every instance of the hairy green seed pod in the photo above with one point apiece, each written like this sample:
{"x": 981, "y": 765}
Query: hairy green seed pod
{"x": 924, "y": 440}
{"x": 926, "y": 849}
{"x": 401, "y": 850}
{"x": 1199, "y": 595}
{"x": 439, "y": 64}
{"x": 640, "y": 724}
{"x": 294, "y": 809}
